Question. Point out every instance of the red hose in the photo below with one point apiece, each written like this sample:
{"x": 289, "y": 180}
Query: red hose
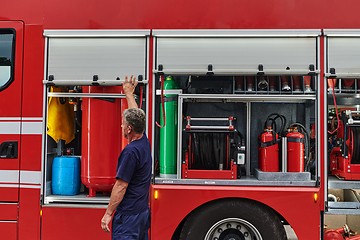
{"x": 162, "y": 101}
{"x": 141, "y": 96}
{"x": 337, "y": 114}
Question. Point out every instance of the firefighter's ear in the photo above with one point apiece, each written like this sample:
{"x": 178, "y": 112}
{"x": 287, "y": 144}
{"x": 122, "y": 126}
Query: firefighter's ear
{"x": 129, "y": 129}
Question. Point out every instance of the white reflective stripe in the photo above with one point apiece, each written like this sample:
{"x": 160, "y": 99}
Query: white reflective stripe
{"x": 32, "y": 119}
{"x": 31, "y": 127}
{"x": 9, "y": 176}
{"x": 10, "y": 118}
{"x": 27, "y": 127}
{"x": 21, "y": 186}
{"x": 26, "y": 177}
{"x": 19, "y": 118}
{"x": 9, "y": 185}
{"x": 29, "y": 186}
{"x": 9, "y": 127}
{"x": 31, "y": 177}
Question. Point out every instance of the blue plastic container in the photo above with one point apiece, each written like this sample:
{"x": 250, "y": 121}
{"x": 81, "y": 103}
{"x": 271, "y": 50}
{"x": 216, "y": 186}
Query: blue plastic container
{"x": 66, "y": 175}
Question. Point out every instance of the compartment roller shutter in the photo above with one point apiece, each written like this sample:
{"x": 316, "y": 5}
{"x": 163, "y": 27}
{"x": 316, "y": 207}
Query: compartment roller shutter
{"x": 343, "y": 52}
{"x": 79, "y": 58}
{"x": 274, "y": 53}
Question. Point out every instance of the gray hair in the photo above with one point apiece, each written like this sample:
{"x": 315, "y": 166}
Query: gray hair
{"x": 136, "y": 118}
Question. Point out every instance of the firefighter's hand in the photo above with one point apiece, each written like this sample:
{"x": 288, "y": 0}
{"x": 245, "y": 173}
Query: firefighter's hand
{"x": 129, "y": 85}
{"x": 105, "y": 222}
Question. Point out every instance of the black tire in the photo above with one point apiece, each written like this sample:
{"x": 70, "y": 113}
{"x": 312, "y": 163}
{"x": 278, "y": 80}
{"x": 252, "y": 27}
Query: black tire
{"x": 233, "y": 219}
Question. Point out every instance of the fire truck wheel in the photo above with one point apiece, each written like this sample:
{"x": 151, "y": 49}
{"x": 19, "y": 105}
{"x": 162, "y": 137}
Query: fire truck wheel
{"x": 233, "y": 219}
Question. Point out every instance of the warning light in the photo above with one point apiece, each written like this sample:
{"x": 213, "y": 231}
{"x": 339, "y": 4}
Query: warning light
{"x": 40, "y": 212}
{"x": 156, "y": 194}
{"x": 315, "y": 197}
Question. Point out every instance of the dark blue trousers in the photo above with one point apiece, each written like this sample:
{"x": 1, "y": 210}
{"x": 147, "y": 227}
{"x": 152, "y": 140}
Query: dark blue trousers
{"x": 134, "y": 227}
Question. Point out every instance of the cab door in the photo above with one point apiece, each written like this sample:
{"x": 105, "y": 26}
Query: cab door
{"x": 11, "y": 57}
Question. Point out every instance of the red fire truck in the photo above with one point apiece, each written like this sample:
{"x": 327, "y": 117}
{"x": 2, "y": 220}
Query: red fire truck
{"x": 252, "y": 113}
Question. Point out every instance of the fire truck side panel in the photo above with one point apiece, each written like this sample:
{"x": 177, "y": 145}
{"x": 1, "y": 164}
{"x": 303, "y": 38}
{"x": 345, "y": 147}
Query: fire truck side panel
{"x": 31, "y": 153}
{"x": 201, "y": 15}
{"x": 10, "y": 117}
{"x": 8, "y": 230}
{"x": 181, "y": 200}
{"x": 33, "y": 72}
{"x": 320, "y": 122}
{"x": 72, "y": 223}
{"x": 20, "y": 191}
{"x": 150, "y": 99}
{"x": 31, "y": 137}
{"x": 30, "y": 186}
{"x": 29, "y": 212}
{"x": 8, "y": 211}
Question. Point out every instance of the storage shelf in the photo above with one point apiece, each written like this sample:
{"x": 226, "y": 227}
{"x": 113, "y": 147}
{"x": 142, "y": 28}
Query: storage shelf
{"x": 80, "y": 198}
{"x": 244, "y": 181}
{"x": 335, "y": 183}
{"x": 250, "y": 97}
{"x": 343, "y": 208}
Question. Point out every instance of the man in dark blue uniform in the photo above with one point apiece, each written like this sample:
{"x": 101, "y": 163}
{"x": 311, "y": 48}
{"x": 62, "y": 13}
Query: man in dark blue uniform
{"x": 130, "y": 194}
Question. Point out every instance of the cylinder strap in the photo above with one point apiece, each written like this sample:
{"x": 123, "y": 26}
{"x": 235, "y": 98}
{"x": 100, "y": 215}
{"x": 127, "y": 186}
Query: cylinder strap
{"x": 269, "y": 143}
{"x": 298, "y": 140}
{"x": 170, "y": 99}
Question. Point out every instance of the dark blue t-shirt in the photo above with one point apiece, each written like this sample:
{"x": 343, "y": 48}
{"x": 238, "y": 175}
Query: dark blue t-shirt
{"x": 134, "y": 167}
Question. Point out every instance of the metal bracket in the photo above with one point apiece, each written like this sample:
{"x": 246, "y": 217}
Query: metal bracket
{"x": 95, "y": 82}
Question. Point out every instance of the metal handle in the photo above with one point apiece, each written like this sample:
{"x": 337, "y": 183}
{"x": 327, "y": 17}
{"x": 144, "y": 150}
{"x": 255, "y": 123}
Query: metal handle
{"x": 209, "y": 119}
{"x": 229, "y": 127}
{"x": 88, "y": 82}
{"x": 209, "y": 127}
{"x": 9, "y": 150}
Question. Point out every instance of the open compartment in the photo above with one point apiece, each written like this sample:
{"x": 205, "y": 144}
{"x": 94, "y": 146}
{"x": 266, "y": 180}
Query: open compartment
{"x": 246, "y": 76}
{"x": 342, "y": 166}
{"x": 215, "y": 135}
{"x": 83, "y": 105}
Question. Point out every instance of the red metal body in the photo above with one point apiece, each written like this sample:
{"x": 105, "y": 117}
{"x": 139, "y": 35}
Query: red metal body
{"x": 101, "y": 140}
{"x": 343, "y": 167}
{"x": 269, "y": 155}
{"x": 295, "y": 152}
{"x": 208, "y": 174}
{"x": 75, "y": 223}
{"x": 282, "y": 200}
{"x": 229, "y": 171}
{"x": 24, "y": 98}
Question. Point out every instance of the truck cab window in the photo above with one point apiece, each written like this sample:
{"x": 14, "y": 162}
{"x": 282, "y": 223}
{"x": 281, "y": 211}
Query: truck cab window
{"x": 6, "y": 58}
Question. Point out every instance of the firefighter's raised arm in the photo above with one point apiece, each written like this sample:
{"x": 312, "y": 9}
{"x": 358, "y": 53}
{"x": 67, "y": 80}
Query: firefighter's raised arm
{"x": 129, "y": 88}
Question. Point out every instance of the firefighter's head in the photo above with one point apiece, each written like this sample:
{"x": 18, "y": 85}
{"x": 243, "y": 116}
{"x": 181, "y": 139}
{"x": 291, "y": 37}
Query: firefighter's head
{"x": 134, "y": 121}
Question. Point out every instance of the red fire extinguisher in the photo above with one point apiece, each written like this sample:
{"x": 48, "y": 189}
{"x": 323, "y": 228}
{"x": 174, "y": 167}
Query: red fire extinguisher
{"x": 340, "y": 234}
{"x": 335, "y": 234}
{"x": 295, "y": 150}
{"x": 269, "y": 151}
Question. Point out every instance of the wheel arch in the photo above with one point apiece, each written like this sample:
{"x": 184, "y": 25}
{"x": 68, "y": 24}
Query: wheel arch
{"x": 177, "y": 231}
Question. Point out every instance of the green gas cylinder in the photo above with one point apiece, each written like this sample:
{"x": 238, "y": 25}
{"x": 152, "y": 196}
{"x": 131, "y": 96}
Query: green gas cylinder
{"x": 168, "y": 133}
